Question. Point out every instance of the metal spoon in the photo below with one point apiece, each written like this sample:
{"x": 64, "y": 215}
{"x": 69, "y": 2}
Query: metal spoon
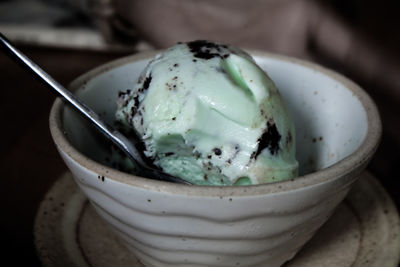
{"x": 112, "y": 134}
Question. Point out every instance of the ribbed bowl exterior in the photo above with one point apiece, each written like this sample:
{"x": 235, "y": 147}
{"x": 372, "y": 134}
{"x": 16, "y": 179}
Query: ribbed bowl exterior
{"x": 164, "y": 229}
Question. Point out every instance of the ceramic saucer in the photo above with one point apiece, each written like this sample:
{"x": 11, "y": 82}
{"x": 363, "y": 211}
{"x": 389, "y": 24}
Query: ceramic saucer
{"x": 364, "y": 231}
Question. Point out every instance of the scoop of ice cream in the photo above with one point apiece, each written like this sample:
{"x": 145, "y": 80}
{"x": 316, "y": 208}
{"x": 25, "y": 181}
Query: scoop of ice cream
{"x": 207, "y": 113}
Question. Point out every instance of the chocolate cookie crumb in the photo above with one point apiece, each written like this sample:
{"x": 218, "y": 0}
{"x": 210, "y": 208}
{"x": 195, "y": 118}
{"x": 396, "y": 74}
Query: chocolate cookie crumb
{"x": 217, "y": 151}
{"x": 205, "y": 49}
{"x": 147, "y": 82}
{"x": 270, "y": 139}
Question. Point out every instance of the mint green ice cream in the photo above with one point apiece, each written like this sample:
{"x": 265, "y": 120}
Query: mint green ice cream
{"x": 208, "y": 114}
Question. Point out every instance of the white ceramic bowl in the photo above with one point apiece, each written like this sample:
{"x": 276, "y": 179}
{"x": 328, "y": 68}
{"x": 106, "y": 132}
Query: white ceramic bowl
{"x": 338, "y": 130}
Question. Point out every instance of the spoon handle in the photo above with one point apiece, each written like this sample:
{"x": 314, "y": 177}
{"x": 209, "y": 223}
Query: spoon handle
{"x": 115, "y": 136}
{"x": 68, "y": 96}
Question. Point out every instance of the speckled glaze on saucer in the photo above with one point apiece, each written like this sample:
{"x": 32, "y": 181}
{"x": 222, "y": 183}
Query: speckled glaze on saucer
{"x": 164, "y": 224}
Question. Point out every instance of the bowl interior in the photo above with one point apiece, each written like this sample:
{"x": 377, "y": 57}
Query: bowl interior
{"x": 330, "y": 120}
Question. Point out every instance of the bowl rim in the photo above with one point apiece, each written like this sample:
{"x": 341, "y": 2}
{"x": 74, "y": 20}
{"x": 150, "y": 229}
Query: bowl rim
{"x": 346, "y": 166}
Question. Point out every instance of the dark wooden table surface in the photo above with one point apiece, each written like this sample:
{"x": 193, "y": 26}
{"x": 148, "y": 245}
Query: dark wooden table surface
{"x": 30, "y": 164}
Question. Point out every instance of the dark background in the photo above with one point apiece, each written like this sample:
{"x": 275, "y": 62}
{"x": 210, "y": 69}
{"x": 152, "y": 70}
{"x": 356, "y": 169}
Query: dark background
{"x": 29, "y": 163}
